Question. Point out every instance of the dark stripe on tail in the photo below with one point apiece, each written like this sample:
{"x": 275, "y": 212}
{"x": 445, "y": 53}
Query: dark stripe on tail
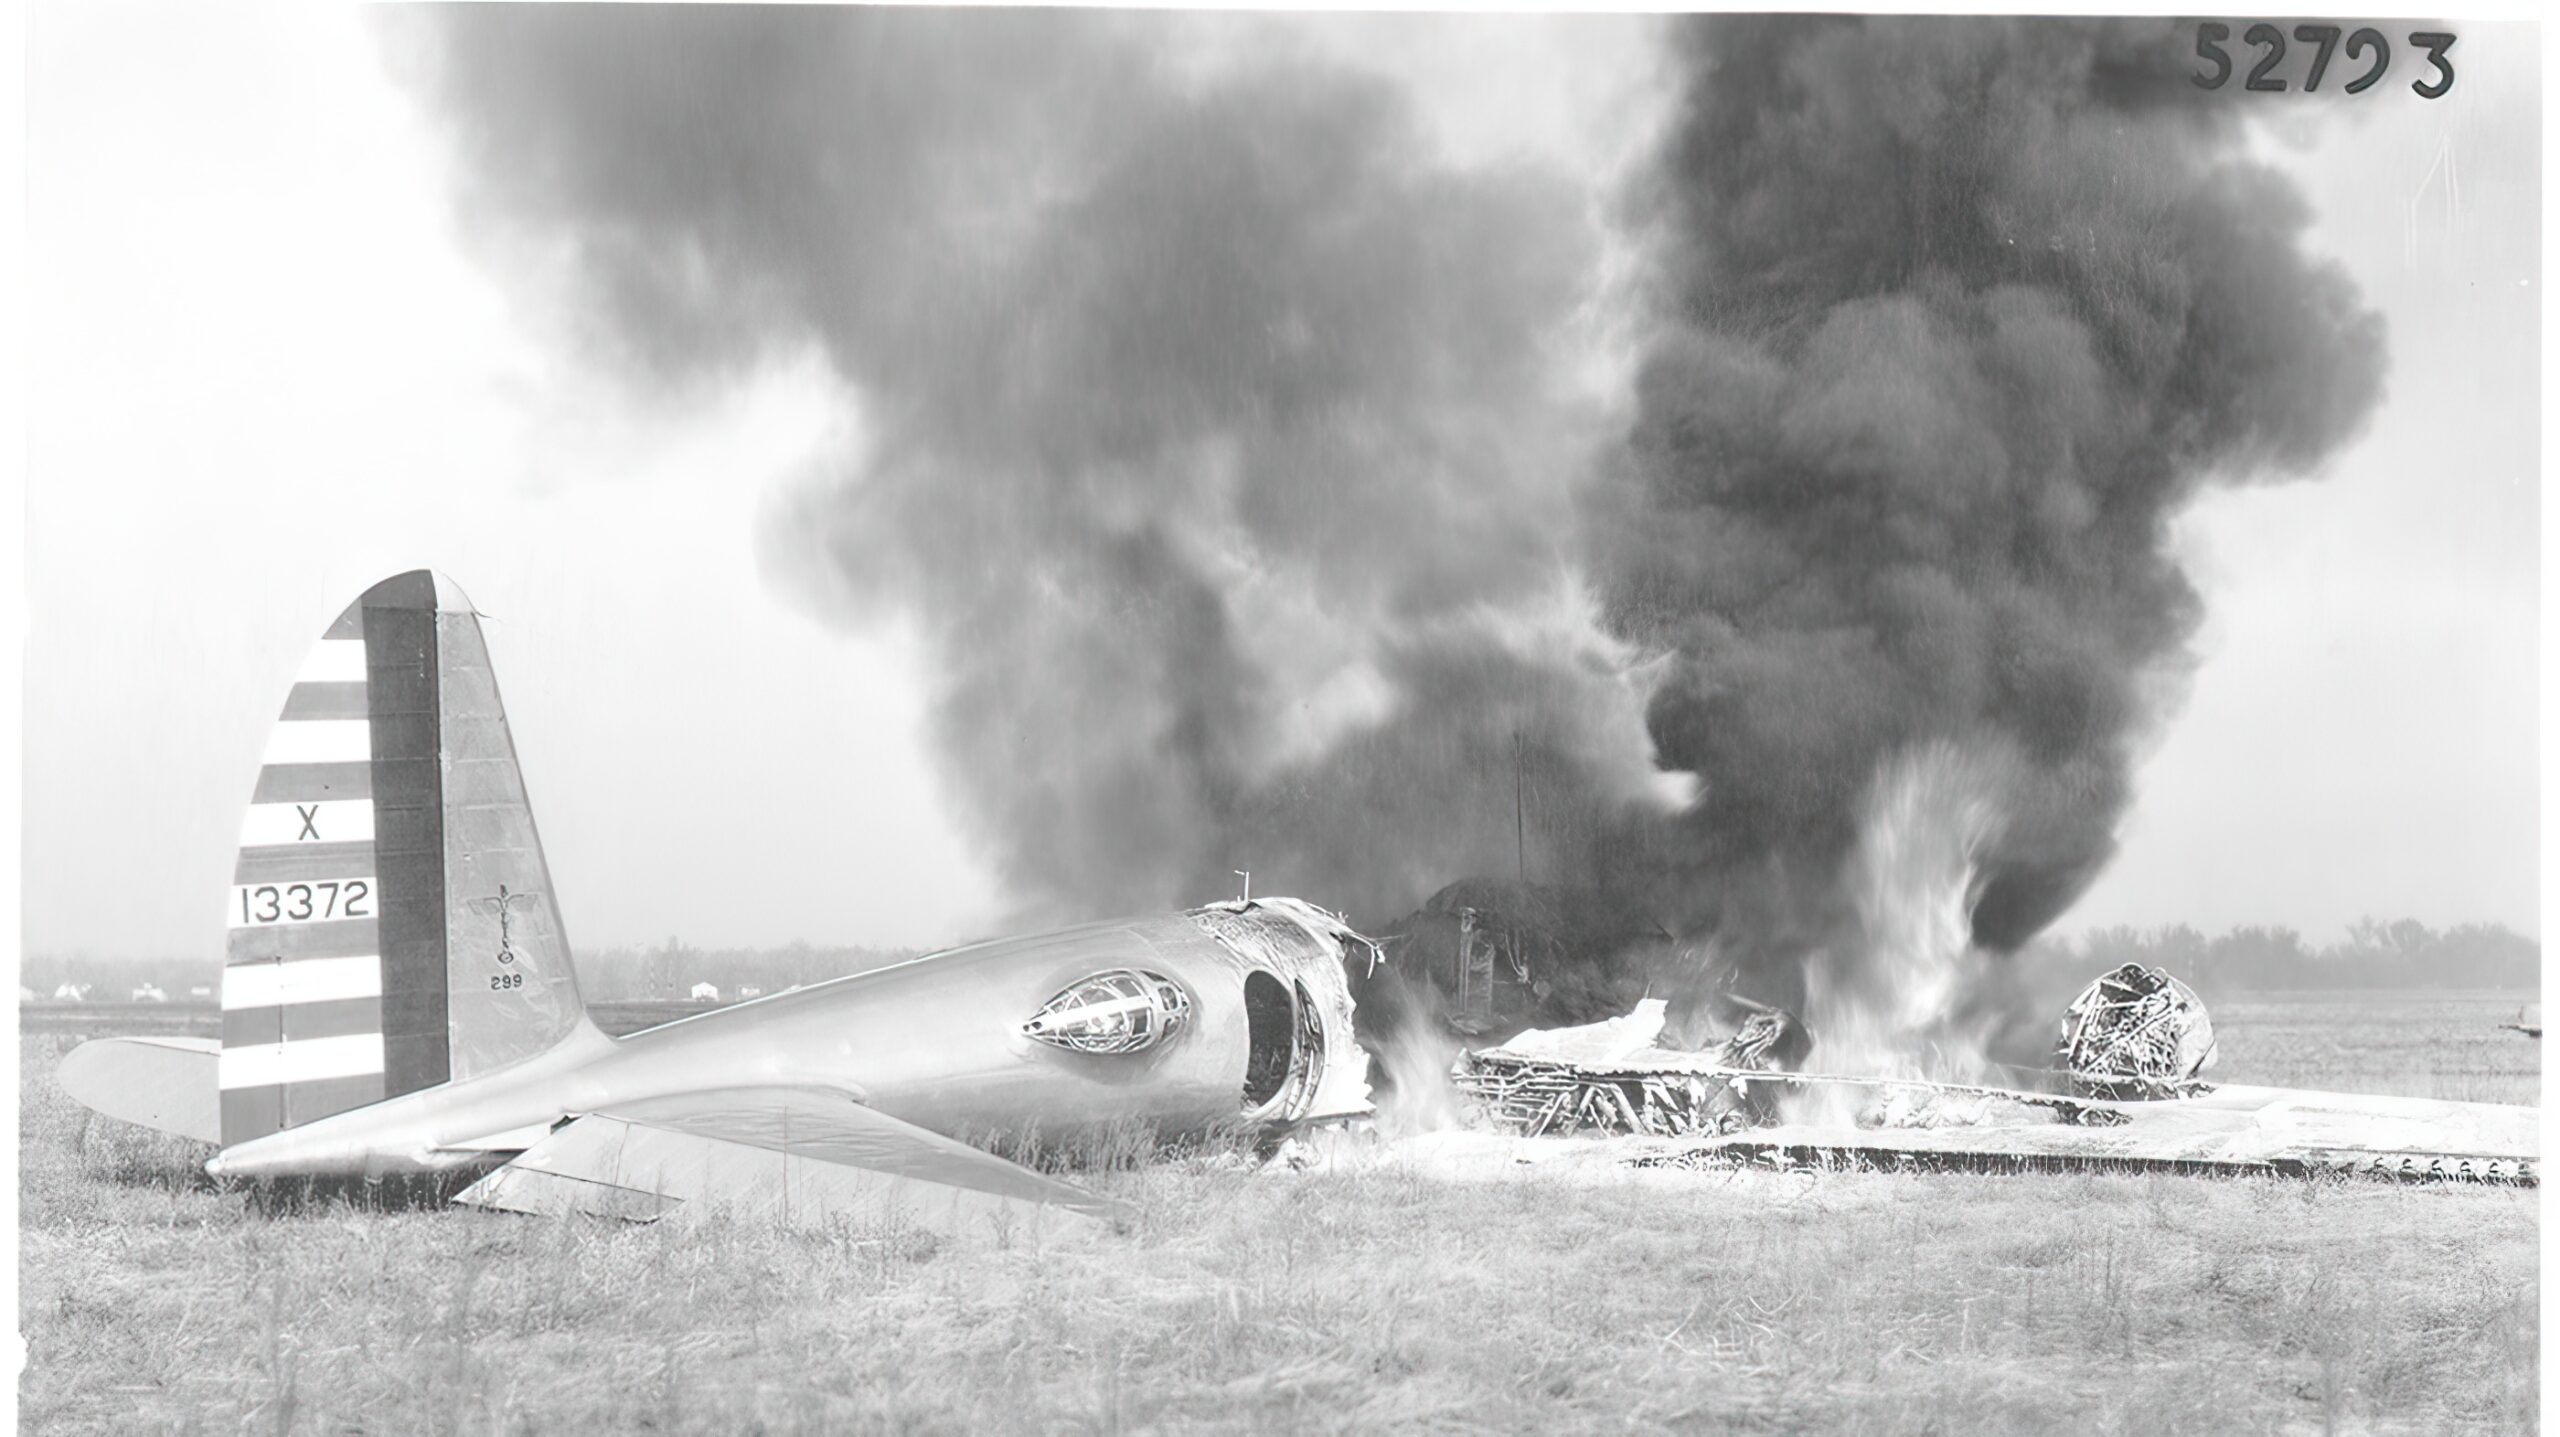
{"x": 293, "y": 1022}
{"x": 310, "y": 1102}
{"x": 251, "y": 1112}
{"x": 345, "y": 938}
{"x": 254, "y": 1112}
{"x": 289, "y": 862}
{"x": 408, "y": 830}
{"x": 326, "y": 701}
{"x": 305, "y": 782}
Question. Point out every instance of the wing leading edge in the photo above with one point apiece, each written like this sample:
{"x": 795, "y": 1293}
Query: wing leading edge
{"x": 2229, "y": 1129}
{"x": 803, "y": 1155}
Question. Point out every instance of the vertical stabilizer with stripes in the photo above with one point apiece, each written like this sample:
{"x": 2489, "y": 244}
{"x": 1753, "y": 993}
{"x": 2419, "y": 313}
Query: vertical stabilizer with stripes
{"x": 392, "y": 923}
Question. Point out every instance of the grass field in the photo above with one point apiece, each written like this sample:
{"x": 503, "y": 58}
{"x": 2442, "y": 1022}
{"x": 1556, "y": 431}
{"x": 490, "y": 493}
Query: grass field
{"x": 1446, "y": 1295}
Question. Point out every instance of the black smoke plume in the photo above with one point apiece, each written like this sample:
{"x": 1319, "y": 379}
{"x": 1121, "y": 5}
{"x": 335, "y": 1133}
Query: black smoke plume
{"x": 1217, "y": 433}
{"x": 1955, "y": 315}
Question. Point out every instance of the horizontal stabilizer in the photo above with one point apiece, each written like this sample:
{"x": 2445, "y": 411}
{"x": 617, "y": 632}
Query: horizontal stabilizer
{"x": 162, "y": 1083}
{"x": 801, "y": 1155}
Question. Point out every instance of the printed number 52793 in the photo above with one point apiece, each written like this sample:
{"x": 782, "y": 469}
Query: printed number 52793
{"x": 2366, "y": 42}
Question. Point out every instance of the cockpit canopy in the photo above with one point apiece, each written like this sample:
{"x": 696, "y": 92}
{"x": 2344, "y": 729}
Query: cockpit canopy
{"x": 1121, "y": 1010}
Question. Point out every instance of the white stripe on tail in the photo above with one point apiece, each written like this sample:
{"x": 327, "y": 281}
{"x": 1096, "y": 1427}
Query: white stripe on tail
{"x": 262, "y": 1065}
{"x": 308, "y": 980}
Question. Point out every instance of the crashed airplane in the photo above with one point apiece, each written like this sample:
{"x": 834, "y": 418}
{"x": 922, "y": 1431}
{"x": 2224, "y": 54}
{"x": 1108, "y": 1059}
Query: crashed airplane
{"x": 398, "y": 998}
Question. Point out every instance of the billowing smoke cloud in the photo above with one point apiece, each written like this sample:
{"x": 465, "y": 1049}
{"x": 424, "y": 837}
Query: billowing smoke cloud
{"x": 1216, "y": 433}
{"x": 1955, "y": 316}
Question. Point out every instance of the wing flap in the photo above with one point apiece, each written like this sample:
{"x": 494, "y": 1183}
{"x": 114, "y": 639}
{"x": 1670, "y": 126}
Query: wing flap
{"x": 541, "y": 1190}
{"x": 802, "y": 1156}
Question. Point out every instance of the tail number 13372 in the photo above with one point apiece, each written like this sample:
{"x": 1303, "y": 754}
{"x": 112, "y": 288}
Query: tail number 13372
{"x": 314, "y": 902}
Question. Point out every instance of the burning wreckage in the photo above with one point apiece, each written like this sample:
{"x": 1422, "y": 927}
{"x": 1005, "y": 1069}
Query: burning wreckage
{"x": 1514, "y": 970}
{"x": 2130, "y": 1060}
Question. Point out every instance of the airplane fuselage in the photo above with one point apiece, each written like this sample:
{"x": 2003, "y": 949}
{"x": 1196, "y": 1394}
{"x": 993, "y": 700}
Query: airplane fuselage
{"x": 1263, "y": 1034}
{"x": 398, "y": 995}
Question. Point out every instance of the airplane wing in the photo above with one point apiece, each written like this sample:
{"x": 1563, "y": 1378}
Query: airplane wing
{"x": 803, "y": 1155}
{"x": 163, "y": 1083}
{"x": 2229, "y": 1128}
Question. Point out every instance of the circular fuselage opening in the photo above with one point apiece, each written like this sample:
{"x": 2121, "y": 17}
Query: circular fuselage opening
{"x": 1285, "y": 1041}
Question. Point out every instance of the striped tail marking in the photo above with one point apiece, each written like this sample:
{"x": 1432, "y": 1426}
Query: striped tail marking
{"x": 334, "y": 992}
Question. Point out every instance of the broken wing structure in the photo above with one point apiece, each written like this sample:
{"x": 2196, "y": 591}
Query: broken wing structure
{"x": 1612, "y": 1078}
{"x": 399, "y": 998}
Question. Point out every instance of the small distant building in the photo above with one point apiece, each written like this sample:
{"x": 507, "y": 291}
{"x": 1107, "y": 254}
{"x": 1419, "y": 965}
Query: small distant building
{"x": 750, "y": 991}
{"x": 26, "y": 994}
{"x": 706, "y": 992}
{"x": 201, "y": 990}
{"x": 150, "y": 993}
{"x": 71, "y": 993}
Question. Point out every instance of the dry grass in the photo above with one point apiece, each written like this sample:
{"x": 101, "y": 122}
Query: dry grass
{"x": 2418, "y": 1045}
{"x": 1353, "y": 1300}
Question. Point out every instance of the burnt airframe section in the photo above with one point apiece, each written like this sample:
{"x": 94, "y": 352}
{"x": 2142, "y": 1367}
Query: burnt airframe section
{"x": 1484, "y": 958}
{"x": 2131, "y": 1096}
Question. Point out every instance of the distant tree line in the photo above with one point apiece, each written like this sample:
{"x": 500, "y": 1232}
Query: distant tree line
{"x": 2375, "y": 954}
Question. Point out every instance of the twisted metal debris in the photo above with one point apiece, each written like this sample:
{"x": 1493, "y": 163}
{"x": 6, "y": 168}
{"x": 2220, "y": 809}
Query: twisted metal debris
{"x": 2135, "y": 1033}
{"x": 1609, "y": 1078}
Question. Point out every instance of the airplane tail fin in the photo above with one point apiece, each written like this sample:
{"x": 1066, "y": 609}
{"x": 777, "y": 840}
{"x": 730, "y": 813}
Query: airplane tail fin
{"x": 392, "y": 924}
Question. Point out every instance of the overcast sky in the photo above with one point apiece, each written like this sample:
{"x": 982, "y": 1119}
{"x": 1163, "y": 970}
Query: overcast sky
{"x": 268, "y": 367}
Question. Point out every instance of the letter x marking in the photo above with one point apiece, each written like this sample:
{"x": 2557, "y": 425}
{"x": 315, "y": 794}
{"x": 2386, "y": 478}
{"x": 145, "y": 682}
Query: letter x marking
{"x": 310, "y": 822}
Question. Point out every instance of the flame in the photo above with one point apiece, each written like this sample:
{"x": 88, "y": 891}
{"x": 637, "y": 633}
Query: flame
{"x": 1883, "y": 997}
{"x": 1424, "y": 1099}
{"x": 1419, "y": 1096}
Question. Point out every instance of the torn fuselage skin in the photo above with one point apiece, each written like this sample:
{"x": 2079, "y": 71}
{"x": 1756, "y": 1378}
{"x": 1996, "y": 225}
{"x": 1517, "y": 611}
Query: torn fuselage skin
{"x": 1234, "y": 1013}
